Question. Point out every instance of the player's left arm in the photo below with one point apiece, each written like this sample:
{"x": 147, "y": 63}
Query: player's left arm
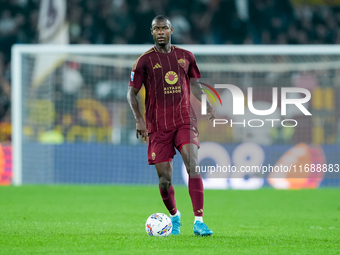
{"x": 196, "y": 89}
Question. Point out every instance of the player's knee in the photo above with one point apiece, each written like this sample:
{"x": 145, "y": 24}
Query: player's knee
{"x": 164, "y": 183}
{"x": 191, "y": 167}
{"x": 192, "y": 171}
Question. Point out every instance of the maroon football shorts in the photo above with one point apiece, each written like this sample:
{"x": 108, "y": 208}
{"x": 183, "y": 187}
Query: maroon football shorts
{"x": 162, "y": 144}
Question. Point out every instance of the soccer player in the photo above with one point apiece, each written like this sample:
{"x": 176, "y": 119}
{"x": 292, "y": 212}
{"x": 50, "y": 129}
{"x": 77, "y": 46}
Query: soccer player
{"x": 170, "y": 122}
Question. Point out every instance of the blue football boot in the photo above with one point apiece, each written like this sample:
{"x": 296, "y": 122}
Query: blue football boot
{"x": 200, "y": 229}
{"x": 176, "y": 224}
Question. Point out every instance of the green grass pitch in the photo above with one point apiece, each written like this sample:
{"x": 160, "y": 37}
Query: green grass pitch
{"x": 110, "y": 220}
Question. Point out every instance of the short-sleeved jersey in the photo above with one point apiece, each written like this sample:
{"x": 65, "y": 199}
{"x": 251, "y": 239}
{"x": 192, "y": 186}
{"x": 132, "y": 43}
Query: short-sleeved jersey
{"x": 166, "y": 77}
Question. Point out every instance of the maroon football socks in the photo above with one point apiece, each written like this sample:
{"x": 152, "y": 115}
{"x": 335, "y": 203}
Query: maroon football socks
{"x": 169, "y": 199}
{"x": 196, "y": 192}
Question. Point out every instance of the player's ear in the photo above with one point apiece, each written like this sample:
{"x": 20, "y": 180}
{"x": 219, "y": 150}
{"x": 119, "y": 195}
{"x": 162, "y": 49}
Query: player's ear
{"x": 171, "y": 30}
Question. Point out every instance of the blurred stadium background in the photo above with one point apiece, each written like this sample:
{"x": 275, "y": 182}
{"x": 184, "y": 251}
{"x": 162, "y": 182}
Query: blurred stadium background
{"x": 74, "y": 124}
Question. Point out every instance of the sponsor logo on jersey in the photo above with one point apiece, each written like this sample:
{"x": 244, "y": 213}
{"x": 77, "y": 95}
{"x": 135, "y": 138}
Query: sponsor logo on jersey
{"x": 157, "y": 66}
{"x": 132, "y": 75}
{"x": 171, "y": 77}
{"x": 172, "y": 89}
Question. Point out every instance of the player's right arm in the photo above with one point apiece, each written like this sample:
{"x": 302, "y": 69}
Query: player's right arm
{"x": 136, "y": 82}
{"x": 134, "y": 104}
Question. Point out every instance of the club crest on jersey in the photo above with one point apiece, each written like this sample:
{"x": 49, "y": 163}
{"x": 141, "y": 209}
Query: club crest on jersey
{"x": 181, "y": 62}
{"x": 171, "y": 77}
{"x": 153, "y": 155}
{"x": 132, "y": 75}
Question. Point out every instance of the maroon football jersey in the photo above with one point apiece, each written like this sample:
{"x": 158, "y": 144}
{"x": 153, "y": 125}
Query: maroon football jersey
{"x": 166, "y": 77}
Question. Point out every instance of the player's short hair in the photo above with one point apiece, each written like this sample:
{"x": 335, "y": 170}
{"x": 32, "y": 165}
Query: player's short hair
{"x": 160, "y": 17}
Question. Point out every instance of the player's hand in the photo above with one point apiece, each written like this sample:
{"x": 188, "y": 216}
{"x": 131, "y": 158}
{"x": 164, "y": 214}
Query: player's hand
{"x": 141, "y": 129}
{"x": 210, "y": 113}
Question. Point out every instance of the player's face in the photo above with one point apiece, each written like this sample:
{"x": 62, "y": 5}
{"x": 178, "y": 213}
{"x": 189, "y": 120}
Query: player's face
{"x": 161, "y": 31}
